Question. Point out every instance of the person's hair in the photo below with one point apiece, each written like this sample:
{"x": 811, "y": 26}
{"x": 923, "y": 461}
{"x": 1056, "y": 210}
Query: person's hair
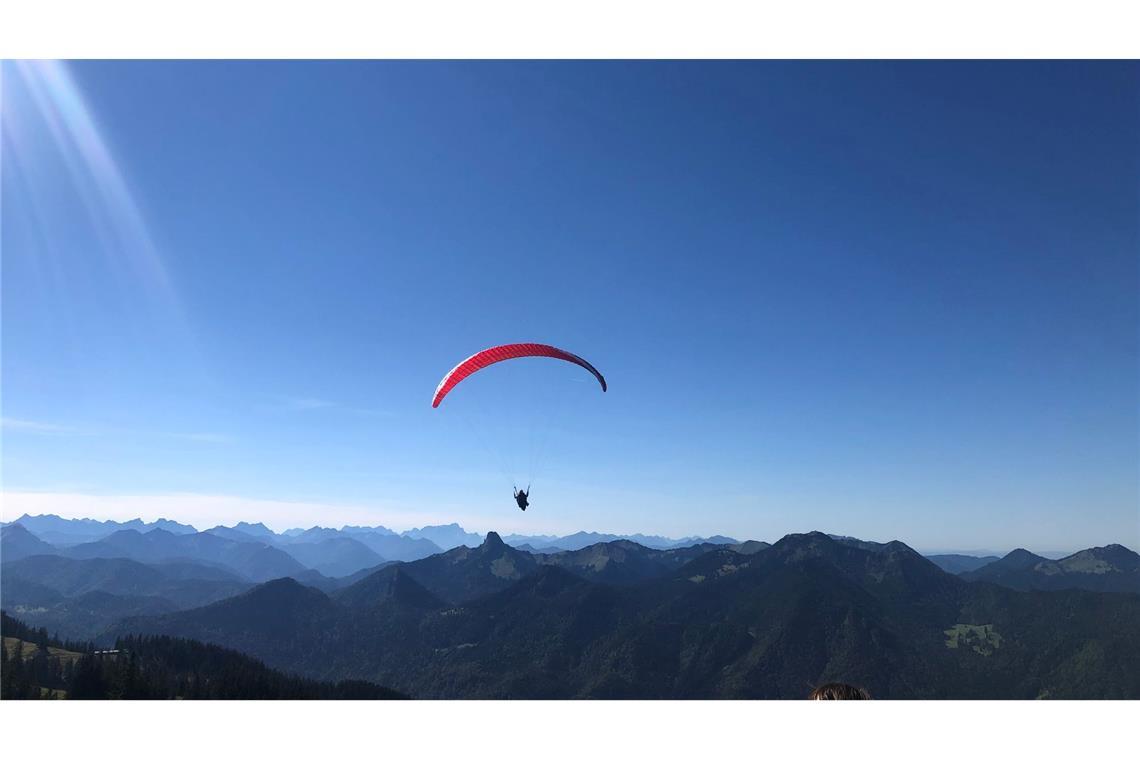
{"x": 838, "y": 691}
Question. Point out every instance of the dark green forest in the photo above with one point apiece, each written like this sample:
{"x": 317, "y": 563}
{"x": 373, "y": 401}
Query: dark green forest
{"x": 150, "y": 667}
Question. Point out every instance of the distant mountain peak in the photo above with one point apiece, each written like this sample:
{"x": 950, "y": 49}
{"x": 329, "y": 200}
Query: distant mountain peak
{"x": 812, "y": 538}
{"x": 281, "y": 587}
{"x": 749, "y": 547}
{"x": 1111, "y": 550}
{"x": 390, "y": 584}
{"x": 172, "y": 525}
{"x": 254, "y": 529}
{"x": 368, "y": 529}
{"x": 445, "y": 536}
{"x": 1020, "y": 558}
{"x": 1113, "y": 558}
{"x": 494, "y": 547}
{"x": 18, "y": 542}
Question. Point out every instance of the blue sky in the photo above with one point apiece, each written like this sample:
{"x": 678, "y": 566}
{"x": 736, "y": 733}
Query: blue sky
{"x": 892, "y": 300}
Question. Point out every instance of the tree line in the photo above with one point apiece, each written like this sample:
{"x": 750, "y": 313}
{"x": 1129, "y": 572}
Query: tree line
{"x": 18, "y": 629}
{"x": 151, "y": 667}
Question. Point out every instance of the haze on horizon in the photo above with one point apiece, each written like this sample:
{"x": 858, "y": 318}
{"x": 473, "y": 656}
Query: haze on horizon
{"x": 880, "y": 299}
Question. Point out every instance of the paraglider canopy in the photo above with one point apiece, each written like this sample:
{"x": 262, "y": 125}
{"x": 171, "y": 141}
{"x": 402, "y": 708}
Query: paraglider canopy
{"x": 495, "y": 354}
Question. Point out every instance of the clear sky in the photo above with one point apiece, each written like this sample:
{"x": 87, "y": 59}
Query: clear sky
{"x": 891, "y": 300}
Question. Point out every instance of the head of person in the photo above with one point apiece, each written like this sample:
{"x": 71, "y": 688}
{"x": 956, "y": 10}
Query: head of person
{"x": 836, "y": 690}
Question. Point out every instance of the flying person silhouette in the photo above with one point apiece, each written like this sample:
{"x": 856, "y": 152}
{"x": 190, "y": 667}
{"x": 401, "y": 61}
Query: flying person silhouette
{"x": 521, "y": 498}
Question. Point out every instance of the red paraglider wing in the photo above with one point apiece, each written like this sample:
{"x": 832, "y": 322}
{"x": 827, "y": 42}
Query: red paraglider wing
{"x": 489, "y": 356}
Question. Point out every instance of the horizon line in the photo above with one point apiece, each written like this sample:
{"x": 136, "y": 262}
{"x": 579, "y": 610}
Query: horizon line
{"x": 926, "y": 552}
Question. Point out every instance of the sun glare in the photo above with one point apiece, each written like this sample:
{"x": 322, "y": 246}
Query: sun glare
{"x": 47, "y": 122}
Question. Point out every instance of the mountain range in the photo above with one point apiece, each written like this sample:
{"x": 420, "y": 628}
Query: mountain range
{"x": 1102, "y": 568}
{"x": 61, "y": 531}
{"x": 408, "y": 545}
{"x": 494, "y": 622}
{"x": 121, "y": 569}
{"x": 611, "y": 618}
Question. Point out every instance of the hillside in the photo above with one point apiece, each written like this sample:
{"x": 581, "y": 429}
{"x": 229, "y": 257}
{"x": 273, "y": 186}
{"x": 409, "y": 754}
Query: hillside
{"x": 17, "y": 542}
{"x": 252, "y": 560}
{"x": 79, "y": 598}
{"x": 622, "y": 561}
{"x": 334, "y": 556}
{"x": 35, "y": 667}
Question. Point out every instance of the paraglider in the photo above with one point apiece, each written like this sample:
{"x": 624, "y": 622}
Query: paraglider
{"x": 495, "y": 354}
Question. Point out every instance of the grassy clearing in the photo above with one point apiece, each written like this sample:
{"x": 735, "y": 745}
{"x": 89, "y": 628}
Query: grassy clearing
{"x": 28, "y": 650}
{"x": 983, "y": 639}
